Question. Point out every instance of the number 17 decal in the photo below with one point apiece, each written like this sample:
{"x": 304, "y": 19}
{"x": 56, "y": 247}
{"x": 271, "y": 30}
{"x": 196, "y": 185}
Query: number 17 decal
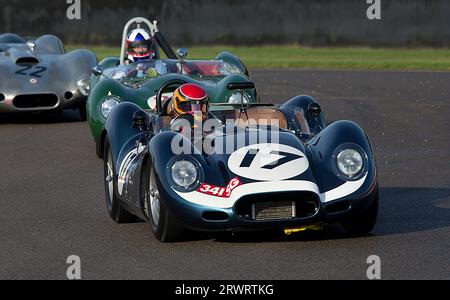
{"x": 37, "y": 71}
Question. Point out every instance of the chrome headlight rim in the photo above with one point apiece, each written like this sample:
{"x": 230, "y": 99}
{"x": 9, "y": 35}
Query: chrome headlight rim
{"x": 111, "y": 99}
{"x": 83, "y": 86}
{"x": 230, "y": 98}
{"x": 199, "y": 170}
{"x": 365, "y": 162}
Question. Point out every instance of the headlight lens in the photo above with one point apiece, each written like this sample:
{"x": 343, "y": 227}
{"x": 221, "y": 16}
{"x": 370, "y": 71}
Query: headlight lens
{"x": 184, "y": 173}
{"x": 350, "y": 162}
{"x": 83, "y": 86}
{"x": 108, "y": 105}
{"x": 236, "y": 98}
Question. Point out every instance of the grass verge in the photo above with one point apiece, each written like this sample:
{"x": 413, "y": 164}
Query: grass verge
{"x": 317, "y": 58}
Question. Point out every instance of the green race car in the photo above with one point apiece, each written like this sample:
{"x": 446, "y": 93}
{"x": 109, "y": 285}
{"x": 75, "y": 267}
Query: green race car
{"x": 113, "y": 81}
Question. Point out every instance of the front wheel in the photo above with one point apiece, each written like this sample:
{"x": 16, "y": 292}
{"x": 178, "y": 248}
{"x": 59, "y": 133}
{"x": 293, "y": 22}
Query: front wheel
{"x": 165, "y": 227}
{"x": 363, "y": 224}
{"x": 115, "y": 209}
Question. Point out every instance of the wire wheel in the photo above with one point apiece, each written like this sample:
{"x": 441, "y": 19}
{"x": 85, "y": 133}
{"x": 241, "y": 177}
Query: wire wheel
{"x": 154, "y": 199}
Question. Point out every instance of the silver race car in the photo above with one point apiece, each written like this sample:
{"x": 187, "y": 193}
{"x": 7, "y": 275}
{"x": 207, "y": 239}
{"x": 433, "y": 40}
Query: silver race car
{"x": 37, "y": 75}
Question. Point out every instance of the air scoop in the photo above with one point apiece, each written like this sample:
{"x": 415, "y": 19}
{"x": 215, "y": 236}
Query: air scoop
{"x": 27, "y": 61}
{"x": 22, "y": 57}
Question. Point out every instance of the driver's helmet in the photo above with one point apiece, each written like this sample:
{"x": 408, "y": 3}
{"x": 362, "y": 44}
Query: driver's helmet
{"x": 190, "y": 99}
{"x": 140, "y": 45}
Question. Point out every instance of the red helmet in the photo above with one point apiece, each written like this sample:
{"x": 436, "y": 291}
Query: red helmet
{"x": 190, "y": 99}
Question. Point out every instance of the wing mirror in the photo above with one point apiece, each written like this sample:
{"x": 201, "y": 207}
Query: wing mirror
{"x": 182, "y": 53}
{"x": 31, "y": 45}
{"x": 97, "y": 70}
{"x": 241, "y": 86}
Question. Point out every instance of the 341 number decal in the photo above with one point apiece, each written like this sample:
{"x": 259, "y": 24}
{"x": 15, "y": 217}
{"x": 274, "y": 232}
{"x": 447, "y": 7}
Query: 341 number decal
{"x": 223, "y": 192}
{"x": 33, "y": 71}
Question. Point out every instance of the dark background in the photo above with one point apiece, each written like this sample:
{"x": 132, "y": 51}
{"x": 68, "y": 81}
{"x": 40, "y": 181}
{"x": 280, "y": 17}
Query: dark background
{"x": 412, "y": 23}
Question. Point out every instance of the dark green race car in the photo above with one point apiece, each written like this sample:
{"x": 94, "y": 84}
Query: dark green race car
{"x": 113, "y": 81}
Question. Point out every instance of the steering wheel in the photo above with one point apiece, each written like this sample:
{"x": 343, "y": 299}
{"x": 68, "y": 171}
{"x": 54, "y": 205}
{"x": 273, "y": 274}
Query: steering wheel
{"x": 178, "y": 82}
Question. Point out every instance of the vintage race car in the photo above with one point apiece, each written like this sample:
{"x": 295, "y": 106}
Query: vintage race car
{"x": 258, "y": 167}
{"x": 114, "y": 82}
{"x": 37, "y": 75}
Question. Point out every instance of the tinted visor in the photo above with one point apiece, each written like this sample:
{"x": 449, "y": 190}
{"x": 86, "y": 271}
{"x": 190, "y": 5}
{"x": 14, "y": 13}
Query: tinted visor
{"x": 141, "y": 47}
{"x": 192, "y": 106}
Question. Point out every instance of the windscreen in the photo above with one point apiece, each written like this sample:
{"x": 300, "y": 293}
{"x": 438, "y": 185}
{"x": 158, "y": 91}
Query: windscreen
{"x": 154, "y": 68}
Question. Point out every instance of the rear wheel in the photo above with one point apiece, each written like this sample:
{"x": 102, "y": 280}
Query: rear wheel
{"x": 363, "y": 224}
{"x": 165, "y": 227}
{"x": 115, "y": 209}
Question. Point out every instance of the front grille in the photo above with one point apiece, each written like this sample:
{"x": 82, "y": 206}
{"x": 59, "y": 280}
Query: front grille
{"x": 35, "y": 101}
{"x": 278, "y": 206}
{"x": 273, "y": 210}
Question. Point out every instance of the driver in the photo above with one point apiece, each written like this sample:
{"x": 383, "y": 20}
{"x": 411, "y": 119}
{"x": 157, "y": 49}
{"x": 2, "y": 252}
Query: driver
{"x": 140, "y": 45}
{"x": 189, "y": 99}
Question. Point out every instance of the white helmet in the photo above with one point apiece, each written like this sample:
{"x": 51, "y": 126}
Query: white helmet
{"x": 140, "y": 45}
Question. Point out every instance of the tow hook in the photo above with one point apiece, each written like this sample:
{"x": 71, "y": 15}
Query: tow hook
{"x": 315, "y": 227}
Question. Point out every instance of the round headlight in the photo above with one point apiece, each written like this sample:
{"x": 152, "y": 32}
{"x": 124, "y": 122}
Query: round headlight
{"x": 184, "y": 173}
{"x": 350, "y": 162}
{"x": 108, "y": 105}
{"x": 236, "y": 98}
{"x": 83, "y": 86}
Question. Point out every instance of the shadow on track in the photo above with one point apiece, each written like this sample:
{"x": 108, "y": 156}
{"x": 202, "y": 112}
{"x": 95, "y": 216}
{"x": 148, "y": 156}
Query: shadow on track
{"x": 402, "y": 210}
{"x": 66, "y": 116}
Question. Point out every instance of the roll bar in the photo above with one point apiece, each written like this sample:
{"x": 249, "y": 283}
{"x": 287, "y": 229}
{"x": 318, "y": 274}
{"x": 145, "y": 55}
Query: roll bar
{"x": 152, "y": 26}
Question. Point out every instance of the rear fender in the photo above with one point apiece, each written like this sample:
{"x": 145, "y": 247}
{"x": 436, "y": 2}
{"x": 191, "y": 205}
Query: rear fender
{"x": 233, "y": 60}
{"x": 315, "y": 122}
{"x": 49, "y": 44}
{"x": 81, "y": 62}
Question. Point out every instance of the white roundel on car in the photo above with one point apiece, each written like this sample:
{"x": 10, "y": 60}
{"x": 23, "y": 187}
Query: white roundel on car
{"x": 268, "y": 162}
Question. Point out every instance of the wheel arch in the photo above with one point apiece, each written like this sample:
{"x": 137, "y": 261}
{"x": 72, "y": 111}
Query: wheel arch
{"x": 101, "y": 144}
{"x": 304, "y": 102}
{"x": 233, "y": 60}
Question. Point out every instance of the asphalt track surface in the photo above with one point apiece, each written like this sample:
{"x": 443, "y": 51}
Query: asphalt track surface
{"x": 52, "y": 200}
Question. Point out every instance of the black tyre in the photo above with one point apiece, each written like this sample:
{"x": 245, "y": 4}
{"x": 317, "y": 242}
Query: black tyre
{"x": 165, "y": 227}
{"x": 115, "y": 209}
{"x": 364, "y": 223}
